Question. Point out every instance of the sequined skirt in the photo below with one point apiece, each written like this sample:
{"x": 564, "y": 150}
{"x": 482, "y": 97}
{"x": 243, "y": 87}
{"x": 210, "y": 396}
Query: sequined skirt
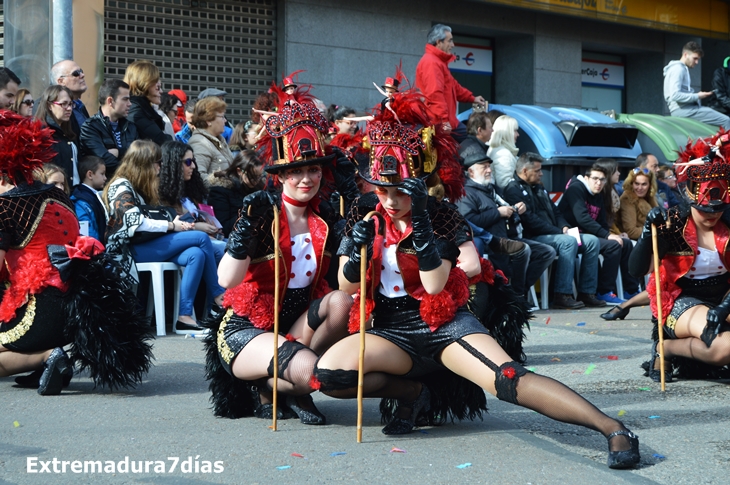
{"x": 398, "y": 320}
{"x": 38, "y": 325}
{"x": 235, "y": 331}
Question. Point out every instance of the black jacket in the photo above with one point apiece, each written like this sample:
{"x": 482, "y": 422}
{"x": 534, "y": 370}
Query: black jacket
{"x": 721, "y": 86}
{"x": 479, "y": 208}
{"x": 64, "y": 153}
{"x": 226, "y": 197}
{"x": 472, "y": 145}
{"x": 542, "y": 217}
{"x": 149, "y": 124}
{"x": 97, "y": 138}
{"x": 584, "y": 210}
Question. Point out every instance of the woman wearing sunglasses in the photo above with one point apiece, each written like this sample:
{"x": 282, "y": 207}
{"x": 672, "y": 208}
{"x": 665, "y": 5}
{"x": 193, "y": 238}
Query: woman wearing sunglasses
{"x": 55, "y": 109}
{"x": 211, "y": 149}
{"x": 23, "y": 104}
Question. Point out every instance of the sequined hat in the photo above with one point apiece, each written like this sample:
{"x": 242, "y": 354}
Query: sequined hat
{"x": 703, "y": 173}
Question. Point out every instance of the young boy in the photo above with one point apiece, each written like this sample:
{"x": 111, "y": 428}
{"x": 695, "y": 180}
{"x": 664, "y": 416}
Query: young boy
{"x": 85, "y": 195}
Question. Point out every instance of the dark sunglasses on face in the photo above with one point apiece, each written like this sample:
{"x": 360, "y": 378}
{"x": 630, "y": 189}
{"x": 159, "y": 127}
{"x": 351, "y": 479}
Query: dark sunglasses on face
{"x": 189, "y": 161}
{"x": 76, "y": 73}
{"x": 28, "y": 102}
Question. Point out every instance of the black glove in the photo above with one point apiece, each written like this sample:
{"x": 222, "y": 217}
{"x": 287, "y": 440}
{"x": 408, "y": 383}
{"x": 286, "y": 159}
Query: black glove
{"x": 240, "y": 240}
{"x": 363, "y": 232}
{"x": 423, "y": 241}
{"x": 716, "y": 317}
{"x": 344, "y": 173}
{"x": 657, "y": 216}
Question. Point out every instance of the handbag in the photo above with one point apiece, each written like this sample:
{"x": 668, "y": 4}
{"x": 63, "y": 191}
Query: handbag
{"x": 158, "y": 213}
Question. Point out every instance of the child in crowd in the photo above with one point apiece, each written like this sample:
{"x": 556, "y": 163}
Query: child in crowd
{"x": 86, "y": 196}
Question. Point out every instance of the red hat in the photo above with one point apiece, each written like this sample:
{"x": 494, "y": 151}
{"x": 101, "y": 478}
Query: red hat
{"x": 288, "y": 81}
{"x": 703, "y": 173}
{"x": 394, "y": 82}
{"x": 25, "y": 145}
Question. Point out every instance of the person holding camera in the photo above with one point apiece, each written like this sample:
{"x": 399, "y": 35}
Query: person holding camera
{"x": 484, "y": 208}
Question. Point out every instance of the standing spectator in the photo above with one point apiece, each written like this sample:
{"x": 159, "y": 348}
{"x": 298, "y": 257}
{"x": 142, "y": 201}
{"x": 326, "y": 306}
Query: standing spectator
{"x": 583, "y": 207}
{"x": 543, "y": 222}
{"x": 681, "y": 98}
{"x": 143, "y": 79}
{"x": 637, "y": 200}
{"x": 187, "y": 130}
{"x": 441, "y": 90}
{"x": 665, "y": 196}
{"x": 179, "y": 120}
{"x": 479, "y": 129}
{"x": 9, "y": 83}
{"x": 23, "y": 104}
{"x": 721, "y": 87}
{"x": 502, "y": 149}
{"x": 86, "y": 195}
{"x": 55, "y": 110}
{"x": 341, "y": 118}
{"x": 211, "y": 150}
{"x": 69, "y": 74}
{"x": 108, "y": 134}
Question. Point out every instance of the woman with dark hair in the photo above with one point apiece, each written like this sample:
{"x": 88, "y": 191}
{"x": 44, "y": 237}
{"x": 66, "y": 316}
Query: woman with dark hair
{"x": 55, "y": 108}
{"x": 143, "y": 78}
{"x": 182, "y": 188}
{"x": 167, "y": 111}
{"x": 341, "y": 118}
{"x": 229, "y": 187}
{"x": 135, "y": 183}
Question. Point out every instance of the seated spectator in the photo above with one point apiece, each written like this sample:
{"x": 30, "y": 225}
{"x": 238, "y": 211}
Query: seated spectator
{"x": 86, "y": 196}
{"x": 135, "y": 184}
{"x": 23, "y": 104}
{"x": 252, "y": 134}
{"x": 108, "y": 133}
{"x": 9, "y": 83}
{"x": 167, "y": 111}
{"x": 666, "y": 175}
{"x": 54, "y": 175}
{"x": 182, "y": 188}
{"x": 55, "y": 110}
{"x": 665, "y": 196}
{"x": 543, "y": 222}
{"x": 179, "y": 119}
{"x": 483, "y": 207}
{"x": 479, "y": 130}
{"x": 187, "y": 131}
{"x": 211, "y": 150}
{"x": 611, "y": 196}
{"x": 238, "y": 138}
{"x": 220, "y": 94}
{"x": 637, "y": 200}
{"x": 143, "y": 79}
{"x": 68, "y": 73}
{"x": 583, "y": 207}
{"x": 502, "y": 149}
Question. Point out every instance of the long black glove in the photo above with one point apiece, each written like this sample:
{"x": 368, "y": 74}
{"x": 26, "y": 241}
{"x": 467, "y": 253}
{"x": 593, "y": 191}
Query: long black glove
{"x": 716, "y": 317}
{"x": 363, "y": 232}
{"x": 640, "y": 258}
{"x": 344, "y": 173}
{"x": 240, "y": 241}
{"x": 423, "y": 241}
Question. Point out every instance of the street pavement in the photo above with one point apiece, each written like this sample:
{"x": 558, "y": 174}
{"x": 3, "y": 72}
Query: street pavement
{"x": 685, "y": 437}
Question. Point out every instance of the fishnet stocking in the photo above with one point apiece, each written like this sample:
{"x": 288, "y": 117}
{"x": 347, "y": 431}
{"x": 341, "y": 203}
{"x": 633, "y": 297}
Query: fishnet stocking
{"x": 295, "y": 378}
{"x": 334, "y": 311}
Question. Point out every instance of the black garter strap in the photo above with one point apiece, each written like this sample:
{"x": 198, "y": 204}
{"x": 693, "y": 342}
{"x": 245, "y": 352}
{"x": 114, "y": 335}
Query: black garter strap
{"x": 335, "y": 380}
{"x": 507, "y": 374}
{"x": 313, "y": 318}
{"x": 286, "y": 354}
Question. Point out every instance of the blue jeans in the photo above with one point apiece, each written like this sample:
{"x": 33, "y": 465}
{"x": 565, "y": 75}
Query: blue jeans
{"x": 194, "y": 251}
{"x": 568, "y": 249}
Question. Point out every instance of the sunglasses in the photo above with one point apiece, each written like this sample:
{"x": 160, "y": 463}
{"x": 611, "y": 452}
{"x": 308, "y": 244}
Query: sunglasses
{"x": 28, "y": 102}
{"x": 638, "y": 170}
{"x": 76, "y": 73}
{"x": 189, "y": 161}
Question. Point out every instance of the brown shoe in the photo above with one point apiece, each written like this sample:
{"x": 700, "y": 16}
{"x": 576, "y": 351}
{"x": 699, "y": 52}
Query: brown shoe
{"x": 501, "y": 245}
{"x": 566, "y": 302}
{"x": 590, "y": 300}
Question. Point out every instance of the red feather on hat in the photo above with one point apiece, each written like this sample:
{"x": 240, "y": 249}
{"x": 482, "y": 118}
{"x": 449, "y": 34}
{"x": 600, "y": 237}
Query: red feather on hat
{"x": 25, "y": 145}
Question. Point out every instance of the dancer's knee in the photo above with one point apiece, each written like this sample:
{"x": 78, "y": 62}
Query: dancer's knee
{"x": 720, "y": 351}
{"x": 287, "y": 351}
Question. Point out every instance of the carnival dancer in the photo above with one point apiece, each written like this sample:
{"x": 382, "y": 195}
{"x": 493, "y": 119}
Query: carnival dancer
{"x": 58, "y": 288}
{"x": 693, "y": 246}
{"x": 417, "y": 297}
{"x": 239, "y": 348}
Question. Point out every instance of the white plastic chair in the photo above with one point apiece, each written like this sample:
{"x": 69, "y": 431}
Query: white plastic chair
{"x": 156, "y": 295}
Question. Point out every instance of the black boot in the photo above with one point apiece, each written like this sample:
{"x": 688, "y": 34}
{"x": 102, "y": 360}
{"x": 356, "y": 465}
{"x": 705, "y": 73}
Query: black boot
{"x": 308, "y": 413}
{"x": 51, "y": 380}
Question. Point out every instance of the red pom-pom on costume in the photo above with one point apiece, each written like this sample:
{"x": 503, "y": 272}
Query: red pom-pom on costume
{"x": 290, "y": 337}
{"x": 670, "y": 291}
{"x": 25, "y": 145}
{"x": 314, "y": 383}
{"x": 509, "y": 372}
{"x": 247, "y": 302}
{"x": 353, "y": 325}
{"x": 441, "y": 308}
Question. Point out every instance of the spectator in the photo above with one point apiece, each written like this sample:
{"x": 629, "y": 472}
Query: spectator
{"x": 493, "y": 114}
{"x": 86, "y": 195}
{"x": 211, "y": 150}
{"x": 479, "y": 129}
{"x": 666, "y": 175}
{"x": 252, "y": 135}
{"x": 187, "y": 130}
{"x": 665, "y": 196}
{"x": 9, "y": 83}
{"x": 543, "y": 222}
{"x": 637, "y": 200}
{"x": 220, "y": 94}
{"x": 502, "y": 149}
{"x": 437, "y": 84}
{"x": 583, "y": 207}
{"x": 229, "y": 187}
{"x": 108, "y": 134}
{"x": 69, "y": 74}
{"x": 134, "y": 184}
{"x": 340, "y": 117}
{"x": 238, "y": 138}
{"x": 681, "y": 98}
{"x": 480, "y": 207}
{"x": 23, "y": 104}
{"x": 179, "y": 120}
{"x": 143, "y": 79}
{"x": 611, "y": 197}
{"x": 167, "y": 111}
{"x": 55, "y": 110}
{"x": 54, "y": 175}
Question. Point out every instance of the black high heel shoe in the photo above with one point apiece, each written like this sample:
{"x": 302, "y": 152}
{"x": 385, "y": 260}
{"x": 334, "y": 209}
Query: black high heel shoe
{"x": 405, "y": 426}
{"x": 625, "y": 458}
{"x": 54, "y": 369}
{"x": 615, "y": 313}
{"x": 308, "y": 415}
{"x": 266, "y": 411}
{"x": 656, "y": 374}
{"x": 33, "y": 380}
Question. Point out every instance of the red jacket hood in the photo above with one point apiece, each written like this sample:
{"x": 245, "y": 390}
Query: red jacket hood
{"x": 443, "y": 56}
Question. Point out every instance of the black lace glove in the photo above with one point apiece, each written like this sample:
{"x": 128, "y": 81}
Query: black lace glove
{"x": 240, "y": 241}
{"x": 363, "y": 232}
{"x": 344, "y": 173}
{"x": 716, "y": 317}
{"x": 423, "y": 242}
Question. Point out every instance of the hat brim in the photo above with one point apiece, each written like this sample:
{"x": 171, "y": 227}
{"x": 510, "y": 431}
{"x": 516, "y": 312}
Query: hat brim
{"x": 368, "y": 178}
{"x": 712, "y": 209}
{"x": 483, "y": 160}
{"x": 312, "y": 161}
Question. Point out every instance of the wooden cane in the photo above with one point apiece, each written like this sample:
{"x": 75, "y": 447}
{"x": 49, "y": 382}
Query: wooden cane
{"x": 342, "y": 206}
{"x": 276, "y": 313}
{"x": 660, "y": 324}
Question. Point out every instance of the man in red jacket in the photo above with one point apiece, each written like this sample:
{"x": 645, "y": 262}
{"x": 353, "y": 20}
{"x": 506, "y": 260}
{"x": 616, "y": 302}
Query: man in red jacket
{"x": 435, "y": 81}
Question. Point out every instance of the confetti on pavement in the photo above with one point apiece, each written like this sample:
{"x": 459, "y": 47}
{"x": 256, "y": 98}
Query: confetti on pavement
{"x": 644, "y": 388}
{"x": 555, "y": 359}
{"x": 16, "y": 424}
{"x": 297, "y": 455}
{"x": 654, "y": 417}
{"x": 397, "y": 450}
{"x": 464, "y": 465}
{"x": 621, "y": 413}
{"x": 283, "y": 467}
{"x": 547, "y": 321}
{"x": 658, "y": 456}
{"x": 580, "y": 324}
{"x": 338, "y": 453}
{"x": 590, "y": 368}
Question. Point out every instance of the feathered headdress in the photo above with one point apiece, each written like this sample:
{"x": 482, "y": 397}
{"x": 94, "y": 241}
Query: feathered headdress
{"x": 394, "y": 82}
{"x": 703, "y": 173}
{"x": 25, "y": 145}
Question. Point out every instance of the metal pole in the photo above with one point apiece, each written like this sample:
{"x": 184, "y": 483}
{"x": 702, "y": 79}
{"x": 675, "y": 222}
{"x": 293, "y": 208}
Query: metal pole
{"x": 63, "y": 39}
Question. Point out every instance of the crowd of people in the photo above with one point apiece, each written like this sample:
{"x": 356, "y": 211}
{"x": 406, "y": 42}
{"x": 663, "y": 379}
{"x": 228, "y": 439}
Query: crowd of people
{"x": 453, "y": 223}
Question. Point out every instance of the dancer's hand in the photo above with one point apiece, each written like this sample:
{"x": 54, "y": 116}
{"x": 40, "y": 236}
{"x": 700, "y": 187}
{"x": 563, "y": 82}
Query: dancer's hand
{"x": 256, "y": 204}
{"x": 415, "y": 189}
{"x": 657, "y": 216}
{"x": 241, "y": 240}
{"x": 363, "y": 232}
